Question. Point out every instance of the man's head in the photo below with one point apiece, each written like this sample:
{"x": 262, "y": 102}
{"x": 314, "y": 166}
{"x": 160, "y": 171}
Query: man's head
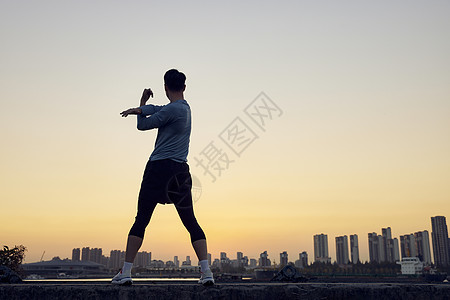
{"x": 174, "y": 81}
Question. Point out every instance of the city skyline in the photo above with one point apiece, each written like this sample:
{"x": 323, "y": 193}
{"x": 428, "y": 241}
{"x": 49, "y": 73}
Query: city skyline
{"x": 354, "y": 137}
{"x": 382, "y": 248}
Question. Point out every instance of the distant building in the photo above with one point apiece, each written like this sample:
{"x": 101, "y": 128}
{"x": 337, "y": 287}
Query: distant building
{"x": 116, "y": 259}
{"x": 105, "y": 260}
{"x": 392, "y": 250}
{"x": 240, "y": 261}
{"x": 411, "y": 266}
{"x": 304, "y": 258}
{"x": 245, "y": 261}
{"x": 224, "y": 260}
{"x": 143, "y": 259}
{"x": 177, "y": 262}
{"x": 264, "y": 260}
{"x": 239, "y": 256}
{"x": 387, "y": 244}
{"x": 439, "y": 237}
{"x": 187, "y": 262}
{"x": 423, "y": 246}
{"x": 376, "y": 248}
{"x": 302, "y": 261}
{"x": 408, "y": 246}
{"x": 76, "y": 254}
{"x": 85, "y": 254}
{"x": 283, "y": 258}
{"x": 253, "y": 263}
{"x": 216, "y": 263}
{"x": 342, "y": 250}
{"x": 321, "y": 248}
{"x": 209, "y": 257}
{"x": 62, "y": 268}
{"x": 95, "y": 255}
{"x": 159, "y": 264}
{"x": 170, "y": 264}
{"x": 390, "y": 246}
{"x": 354, "y": 248}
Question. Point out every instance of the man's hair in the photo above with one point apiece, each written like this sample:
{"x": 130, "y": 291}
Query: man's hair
{"x": 174, "y": 80}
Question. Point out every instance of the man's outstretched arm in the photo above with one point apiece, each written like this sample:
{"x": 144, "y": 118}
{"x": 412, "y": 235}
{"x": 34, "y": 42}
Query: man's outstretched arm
{"x": 156, "y": 120}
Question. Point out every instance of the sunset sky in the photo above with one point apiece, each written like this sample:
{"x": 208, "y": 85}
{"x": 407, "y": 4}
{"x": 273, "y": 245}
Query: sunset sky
{"x": 361, "y": 142}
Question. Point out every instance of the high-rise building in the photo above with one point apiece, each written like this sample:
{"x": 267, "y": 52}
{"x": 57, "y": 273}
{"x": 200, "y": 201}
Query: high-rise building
{"x": 239, "y": 258}
{"x": 85, "y": 254}
{"x": 209, "y": 257}
{"x": 396, "y": 250}
{"x": 383, "y": 247}
{"x": 389, "y": 246}
{"x": 302, "y": 261}
{"x": 440, "y": 239}
{"x": 95, "y": 255}
{"x": 342, "y": 250}
{"x": 354, "y": 248}
{"x": 423, "y": 246}
{"x": 186, "y": 262}
{"x": 387, "y": 243}
{"x": 304, "y": 258}
{"x": 105, "y": 260}
{"x": 224, "y": 260}
{"x": 392, "y": 251}
{"x": 321, "y": 248}
{"x": 408, "y": 245}
{"x": 76, "y": 254}
{"x": 253, "y": 263}
{"x": 116, "y": 259}
{"x": 245, "y": 261}
{"x": 376, "y": 248}
{"x": 143, "y": 259}
{"x": 283, "y": 258}
{"x": 264, "y": 260}
{"x": 177, "y": 262}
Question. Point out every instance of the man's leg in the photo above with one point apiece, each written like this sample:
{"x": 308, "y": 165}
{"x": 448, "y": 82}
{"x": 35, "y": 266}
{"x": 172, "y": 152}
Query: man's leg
{"x": 136, "y": 235}
{"x": 200, "y": 249}
{"x": 198, "y": 240}
{"x": 133, "y": 245}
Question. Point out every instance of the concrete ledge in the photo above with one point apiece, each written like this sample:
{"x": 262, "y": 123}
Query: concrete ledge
{"x": 225, "y": 291}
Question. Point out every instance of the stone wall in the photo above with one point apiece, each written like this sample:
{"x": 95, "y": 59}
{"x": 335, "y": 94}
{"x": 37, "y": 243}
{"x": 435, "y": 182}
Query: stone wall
{"x": 236, "y": 291}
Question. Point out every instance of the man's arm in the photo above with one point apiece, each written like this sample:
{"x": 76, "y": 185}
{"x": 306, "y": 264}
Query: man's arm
{"x": 156, "y": 120}
{"x": 131, "y": 111}
{"x": 150, "y": 109}
{"x": 146, "y": 94}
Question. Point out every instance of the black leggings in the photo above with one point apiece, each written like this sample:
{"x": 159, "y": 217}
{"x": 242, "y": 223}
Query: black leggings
{"x": 166, "y": 181}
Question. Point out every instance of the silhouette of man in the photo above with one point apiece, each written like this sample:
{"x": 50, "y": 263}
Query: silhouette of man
{"x": 166, "y": 177}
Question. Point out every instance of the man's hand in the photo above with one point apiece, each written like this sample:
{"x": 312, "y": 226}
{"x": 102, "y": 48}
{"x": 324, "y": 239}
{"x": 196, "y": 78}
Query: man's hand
{"x": 146, "y": 94}
{"x": 131, "y": 111}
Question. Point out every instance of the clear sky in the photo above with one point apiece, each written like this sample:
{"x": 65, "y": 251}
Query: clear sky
{"x": 363, "y": 141}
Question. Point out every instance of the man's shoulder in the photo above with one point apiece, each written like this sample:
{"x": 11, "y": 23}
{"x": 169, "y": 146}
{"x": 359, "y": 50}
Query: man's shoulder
{"x": 178, "y": 105}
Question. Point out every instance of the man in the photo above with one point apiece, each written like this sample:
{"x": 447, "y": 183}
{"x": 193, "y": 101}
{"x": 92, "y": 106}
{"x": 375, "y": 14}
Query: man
{"x": 166, "y": 177}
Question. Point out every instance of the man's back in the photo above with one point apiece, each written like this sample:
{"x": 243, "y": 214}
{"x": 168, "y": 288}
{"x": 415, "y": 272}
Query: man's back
{"x": 174, "y": 129}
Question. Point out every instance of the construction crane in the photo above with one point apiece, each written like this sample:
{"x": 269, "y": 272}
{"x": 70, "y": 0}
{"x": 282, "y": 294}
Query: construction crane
{"x": 42, "y": 255}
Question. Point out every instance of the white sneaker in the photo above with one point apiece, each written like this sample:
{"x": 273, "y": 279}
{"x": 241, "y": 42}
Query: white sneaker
{"x": 121, "y": 279}
{"x": 206, "y": 278}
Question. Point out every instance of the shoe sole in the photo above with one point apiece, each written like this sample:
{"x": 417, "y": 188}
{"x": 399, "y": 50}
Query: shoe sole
{"x": 125, "y": 282}
{"x": 208, "y": 283}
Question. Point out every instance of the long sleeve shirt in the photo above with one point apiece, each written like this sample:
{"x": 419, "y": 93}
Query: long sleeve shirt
{"x": 174, "y": 129}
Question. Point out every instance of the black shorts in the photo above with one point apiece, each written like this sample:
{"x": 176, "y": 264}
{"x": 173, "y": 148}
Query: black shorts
{"x": 166, "y": 181}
